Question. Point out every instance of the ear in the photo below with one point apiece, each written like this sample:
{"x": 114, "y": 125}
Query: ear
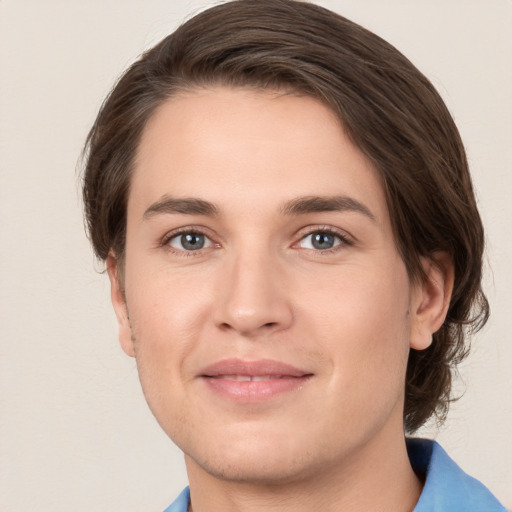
{"x": 119, "y": 302}
{"x": 431, "y": 299}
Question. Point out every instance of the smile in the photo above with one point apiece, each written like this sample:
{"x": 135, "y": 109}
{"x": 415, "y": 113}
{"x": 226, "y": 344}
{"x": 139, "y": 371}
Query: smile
{"x": 253, "y": 381}
{"x": 249, "y": 378}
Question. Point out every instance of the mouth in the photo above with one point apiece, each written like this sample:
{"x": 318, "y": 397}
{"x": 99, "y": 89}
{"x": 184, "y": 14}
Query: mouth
{"x": 247, "y": 378}
{"x": 253, "y": 381}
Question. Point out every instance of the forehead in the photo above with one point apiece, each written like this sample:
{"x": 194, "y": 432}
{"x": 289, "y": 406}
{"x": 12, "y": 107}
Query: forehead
{"x": 254, "y": 147}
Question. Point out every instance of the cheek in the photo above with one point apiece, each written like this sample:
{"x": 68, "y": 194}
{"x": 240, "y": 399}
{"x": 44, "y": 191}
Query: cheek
{"x": 167, "y": 316}
{"x": 362, "y": 321}
{"x": 166, "y": 305}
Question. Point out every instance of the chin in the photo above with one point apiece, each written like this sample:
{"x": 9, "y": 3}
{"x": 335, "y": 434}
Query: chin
{"x": 258, "y": 470}
{"x": 257, "y": 459}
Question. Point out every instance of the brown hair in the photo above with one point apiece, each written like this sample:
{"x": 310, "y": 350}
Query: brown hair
{"x": 388, "y": 108}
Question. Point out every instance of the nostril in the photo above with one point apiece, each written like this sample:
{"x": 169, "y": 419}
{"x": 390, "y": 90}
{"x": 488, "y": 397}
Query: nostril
{"x": 248, "y": 330}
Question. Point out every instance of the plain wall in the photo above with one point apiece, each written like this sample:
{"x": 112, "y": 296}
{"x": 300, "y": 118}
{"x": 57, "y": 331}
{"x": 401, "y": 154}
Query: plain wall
{"x": 75, "y": 432}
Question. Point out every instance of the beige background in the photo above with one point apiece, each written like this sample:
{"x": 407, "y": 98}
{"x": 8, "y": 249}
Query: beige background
{"x": 75, "y": 433}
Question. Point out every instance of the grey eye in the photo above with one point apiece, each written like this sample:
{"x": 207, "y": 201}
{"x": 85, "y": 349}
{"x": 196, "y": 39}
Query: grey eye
{"x": 320, "y": 241}
{"x": 189, "y": 241}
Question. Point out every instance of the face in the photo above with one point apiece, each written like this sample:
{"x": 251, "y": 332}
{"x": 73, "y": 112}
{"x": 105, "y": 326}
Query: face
{"x": 266, "y": 304}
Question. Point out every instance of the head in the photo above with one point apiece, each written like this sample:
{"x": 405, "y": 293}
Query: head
{"x": 387, "y": 109}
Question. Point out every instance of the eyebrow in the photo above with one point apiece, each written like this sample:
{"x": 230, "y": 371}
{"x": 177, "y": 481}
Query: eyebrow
{"x": 298, "y": 206}
{"x": 316, "y": 204}
{"x": 186, "y": 205}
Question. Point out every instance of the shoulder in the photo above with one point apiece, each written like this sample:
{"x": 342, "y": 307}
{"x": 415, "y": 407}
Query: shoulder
{"x": 447, "y": 487}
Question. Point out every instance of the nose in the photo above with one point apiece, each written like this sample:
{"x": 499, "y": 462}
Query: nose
{"x": 253, "y": 298}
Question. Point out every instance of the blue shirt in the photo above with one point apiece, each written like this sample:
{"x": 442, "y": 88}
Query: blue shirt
{"x": 447, "y": 488}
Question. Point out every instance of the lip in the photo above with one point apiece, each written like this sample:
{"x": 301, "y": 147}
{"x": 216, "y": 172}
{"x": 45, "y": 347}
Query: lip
{"x": 253, "y": 381}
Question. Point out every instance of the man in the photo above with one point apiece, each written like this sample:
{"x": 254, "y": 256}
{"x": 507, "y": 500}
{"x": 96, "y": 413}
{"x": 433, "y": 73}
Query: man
{"x": 287, "y": 219}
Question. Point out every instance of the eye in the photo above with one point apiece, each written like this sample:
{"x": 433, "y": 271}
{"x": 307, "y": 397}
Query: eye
{"x": 190, "y": 241}
{"x": 320, "y": 241}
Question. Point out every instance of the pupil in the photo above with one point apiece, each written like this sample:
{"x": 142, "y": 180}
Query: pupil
{"x": 192, "y": 241}
{"x": 323, "y": 241}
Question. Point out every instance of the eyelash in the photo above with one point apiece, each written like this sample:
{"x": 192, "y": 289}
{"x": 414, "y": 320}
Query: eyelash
{"x": 345, "y": 240}
{"x": 328, "y": 230}
{"x": 189, "y": 230}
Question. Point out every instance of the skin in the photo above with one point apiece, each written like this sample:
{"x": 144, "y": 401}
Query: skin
{"x": 261, "y": 289}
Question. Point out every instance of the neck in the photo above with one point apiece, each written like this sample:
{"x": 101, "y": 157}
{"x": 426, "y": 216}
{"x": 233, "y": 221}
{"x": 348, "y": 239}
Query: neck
{"x": 376, "y": 478}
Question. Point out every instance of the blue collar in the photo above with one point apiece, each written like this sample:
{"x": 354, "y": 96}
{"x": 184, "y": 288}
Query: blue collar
{"x": 447, "y": 488}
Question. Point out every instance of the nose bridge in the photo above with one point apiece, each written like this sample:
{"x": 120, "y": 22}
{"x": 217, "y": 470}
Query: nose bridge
{"x": 253, "y": 299}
